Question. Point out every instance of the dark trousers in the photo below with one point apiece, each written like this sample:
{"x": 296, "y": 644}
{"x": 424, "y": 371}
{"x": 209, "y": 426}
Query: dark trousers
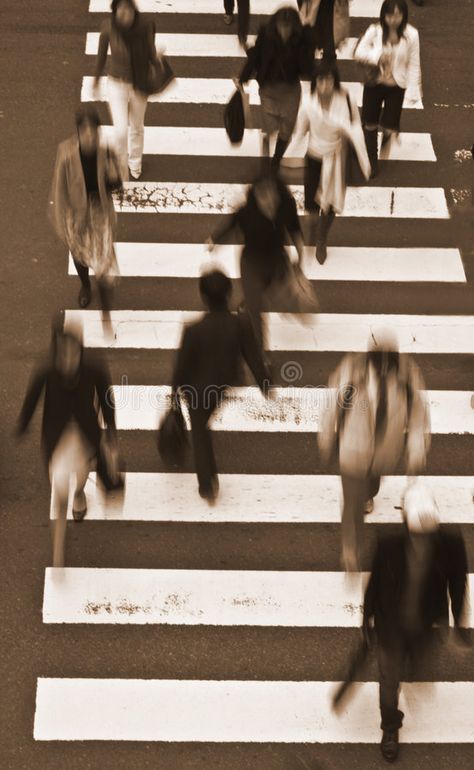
{"x": 203, "y": 450}
{"x": 256, "y": 280}
{"x": 105, "y": 291}
{"x": 243, "y": 18}
{"x": 322, "y": 34}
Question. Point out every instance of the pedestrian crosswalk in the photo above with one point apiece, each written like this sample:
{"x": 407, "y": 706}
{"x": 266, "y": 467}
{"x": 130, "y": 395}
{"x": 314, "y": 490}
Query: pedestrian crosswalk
{"x": 392, "y": 252}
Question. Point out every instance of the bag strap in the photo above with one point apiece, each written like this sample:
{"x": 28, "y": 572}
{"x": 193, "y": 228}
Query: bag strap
{"x": 349, "y": 106}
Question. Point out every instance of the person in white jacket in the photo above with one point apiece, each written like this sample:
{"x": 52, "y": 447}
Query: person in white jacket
{"x": 331, "y": 119}
{"x": 391, "y": 49}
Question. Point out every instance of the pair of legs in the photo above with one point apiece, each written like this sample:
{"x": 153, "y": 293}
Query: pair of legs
{"x": 256, "y": 280}
{"x": 127, "y": 108}
{"x": 381, "y": 107}
{"x": 322, "y": 34}
{"x": 280, "y": 104}
{"x": 72, "y": 456}
{"x": 356, "y": 493}
{"x": 105, "y": 287}
{"x": 320, "y": 223}
{"x": 203, "y": 450}
{"x": 243, "y": 8}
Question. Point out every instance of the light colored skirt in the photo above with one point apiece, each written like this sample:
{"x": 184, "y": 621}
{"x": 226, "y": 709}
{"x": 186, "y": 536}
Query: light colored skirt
{"x": 92, "y": 242}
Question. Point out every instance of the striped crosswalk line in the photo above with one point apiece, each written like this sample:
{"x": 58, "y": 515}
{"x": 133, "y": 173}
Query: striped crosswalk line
{"x": 208, "y": 91}
{"x": 369, "y": 8}
{"x": 266, "y": 499}
{"x": 213, "y": 142}
{"x": 221, "y": 198}
{"x": 195, "y": 45}
{"x": 188, "y": 260}
{"x": 327, "y": 331}
{"x": 292, "y": 410}
{"x": 206, "y": 597}
{"x": 241, "y": 711}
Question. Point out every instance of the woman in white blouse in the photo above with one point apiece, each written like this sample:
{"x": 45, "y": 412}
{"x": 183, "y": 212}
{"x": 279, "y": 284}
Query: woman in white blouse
{"x": 391, "y": 47}
{"x": 331, "y": 118}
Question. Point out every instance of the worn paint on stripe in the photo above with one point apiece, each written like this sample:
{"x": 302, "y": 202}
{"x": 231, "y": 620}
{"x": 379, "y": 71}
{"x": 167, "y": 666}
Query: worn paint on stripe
{"x": 324, "y": 332}
{"x": 221, "y": 198}
{"x": 209, "y": 91}
{"x": 368, "y": 8}
{"x": 206, "y": 597}
{"x": 213, "y": 142}
{"x": 294, "y": 410}
{"x": 265, "y": 499}
{"x": 243, "y": 711}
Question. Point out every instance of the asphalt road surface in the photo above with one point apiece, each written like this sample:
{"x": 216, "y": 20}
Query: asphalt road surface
{"x": 141, "y": 669}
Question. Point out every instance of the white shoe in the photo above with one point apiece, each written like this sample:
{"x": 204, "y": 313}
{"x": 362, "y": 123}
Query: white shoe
{"x": 135, "y": 174}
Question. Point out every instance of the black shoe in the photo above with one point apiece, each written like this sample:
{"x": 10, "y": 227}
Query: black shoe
{"x": 389, "y": 745}
{"x": 210, "y": 493}
{"x": 321, "y": 252}
{"x": 84, "y": 296}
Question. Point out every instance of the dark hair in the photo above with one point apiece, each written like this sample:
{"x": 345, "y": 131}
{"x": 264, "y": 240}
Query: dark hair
{"x": 115, "y": 4}
{"x": 87, "y": 113}
{"x": 389, "y": 6}
{"x": 215, "y": 288}
{"x": 287, "y": 15}
{"x": 326, "y": 69}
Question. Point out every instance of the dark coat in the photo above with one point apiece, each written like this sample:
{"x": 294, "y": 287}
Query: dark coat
{"x": 131, "y": 53}
{"x": 271, "y": 60}
{"x": 447, "y": 573}
{"x": 211, "y": 355}
{"x": 62, "y": 403}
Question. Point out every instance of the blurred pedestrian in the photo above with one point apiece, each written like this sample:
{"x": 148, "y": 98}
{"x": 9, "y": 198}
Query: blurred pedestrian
{"x": 391, "y": 49}
{"x": 413, "y": 573}
{"x": 376, "y": 416}
{"x": 208, "y": 362}
{"x": 328, "y": 24}
{"x": 82, "y": 209}
{"x": 267, "y": 216}
{"x": 331, "y": 118}
{"x": 278, "y": 60}
{"x": 243, "y": 10}
{"x": 132, "y": 50}
{"x": 75, "y": 387}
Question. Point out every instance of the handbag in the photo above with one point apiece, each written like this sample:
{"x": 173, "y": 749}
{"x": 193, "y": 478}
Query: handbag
{"x": 160, "y": 75}
{"x": 110, "y": 466}
{"x": 234, "y": 117}
{"x": 172, "y": 439}
{"x": 295, "y": 292}
{"x": 354, "y": 174}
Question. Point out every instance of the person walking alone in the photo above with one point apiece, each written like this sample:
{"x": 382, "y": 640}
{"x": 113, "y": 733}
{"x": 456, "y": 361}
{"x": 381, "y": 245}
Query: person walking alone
{"x": 278, "y": 60}
{"x": 331, "y": 118}
{"x": 208, "y": 362}
{"x": 391, "y": 49}
{"x": 81, "y": 207}
{"x": 73, "y": 383}
{"x": 376, "y": 415}
{"x": 132, "y": 51}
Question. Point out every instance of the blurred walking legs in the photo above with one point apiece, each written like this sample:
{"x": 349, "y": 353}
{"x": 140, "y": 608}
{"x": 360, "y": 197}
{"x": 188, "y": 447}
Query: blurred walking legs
{"x": 356, "y": 493}
{"x": 127, "y": 108}
{"x": 243, "y": 8}
{"x": 204, "y": 458}
{"x": 254, "y": 286}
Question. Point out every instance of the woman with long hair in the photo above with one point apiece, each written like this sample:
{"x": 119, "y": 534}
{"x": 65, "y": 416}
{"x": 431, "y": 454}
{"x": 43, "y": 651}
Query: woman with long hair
{"x": 391, "y": 47}
{"x": 331, "y": 119}
{"x": 132, "y": 50}
{"x": 278, "y": 60}
{"x": 82, "y": 209}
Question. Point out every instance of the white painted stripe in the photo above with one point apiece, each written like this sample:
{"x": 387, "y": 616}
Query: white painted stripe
{"x": 222, "y": 46}
{"x": 213, "y": 142}
{"x": 344, "y": 263}
{"x": 369, "y": 8}
{"x": 208, "y": 91}
{"x": 294, "y": 410}
{"x": 206, "y": 597}
{"x": 326, "y": 331}
{"x": 266, "y": 499}
{"x": 222, "y": 198}
{"x": 243, "y": 711}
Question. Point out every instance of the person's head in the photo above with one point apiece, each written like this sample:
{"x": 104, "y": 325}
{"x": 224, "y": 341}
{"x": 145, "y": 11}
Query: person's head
{"x": 124, "y": 12}
{"x": 267, "y": 196}
{"x": 383, "y": 350}
{"x": 326, "y": 79}
{"x": 420, "y": 511}
{"x": 394, "y": 17}
{"x": 215, "y": 288}
{"x": 286, "y": 22}
{"x": 87, "y": 124}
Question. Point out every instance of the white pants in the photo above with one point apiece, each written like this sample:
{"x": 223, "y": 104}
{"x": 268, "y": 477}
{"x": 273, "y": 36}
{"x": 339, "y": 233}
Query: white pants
{"x": 127, "y": 108}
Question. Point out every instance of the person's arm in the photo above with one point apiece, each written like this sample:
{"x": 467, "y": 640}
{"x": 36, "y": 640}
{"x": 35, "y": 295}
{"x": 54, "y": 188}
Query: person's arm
{"x": 104, "y": 41}
{"x": 33, "y": 393}
{"x": 457, "y": 576}
{"x": 329, "y": 415}
{"x": 252, "y": 64}
{"x": 59, "y": 195}
{"x": 413, "y": 91}
{"x": 185, "y": 362}
{"x": 105, "y": 395}
{"x": 293, "y": 225}
{"x": 370, "y": 595}
{"x": 366, "y": 50}
{"x": 418, "y": 428}
{"x": 226, "y": 226}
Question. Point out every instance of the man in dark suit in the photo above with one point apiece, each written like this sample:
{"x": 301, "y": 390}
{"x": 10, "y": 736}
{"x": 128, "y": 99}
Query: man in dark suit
{"x": 208, "y": 363}
{"x": 407, "y": 594}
